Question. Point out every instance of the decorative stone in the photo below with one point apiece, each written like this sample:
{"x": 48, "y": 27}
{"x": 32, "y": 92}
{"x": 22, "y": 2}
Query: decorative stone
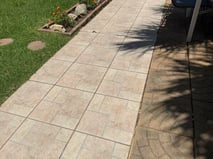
{"x": 72, "y": 16}
{"x": 81, "y": 9}
{"x": 5, "y": 41}
{"x": 57, "y": 27}
{"x": 36, "y": 45}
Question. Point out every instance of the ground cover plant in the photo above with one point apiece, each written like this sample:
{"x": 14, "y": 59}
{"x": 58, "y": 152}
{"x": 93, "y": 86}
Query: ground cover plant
{"x": 20, "y": 19}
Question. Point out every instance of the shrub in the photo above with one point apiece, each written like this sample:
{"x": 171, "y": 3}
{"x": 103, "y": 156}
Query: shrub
{"x": 91, "y": 4}
{"x": 62, "y": 18}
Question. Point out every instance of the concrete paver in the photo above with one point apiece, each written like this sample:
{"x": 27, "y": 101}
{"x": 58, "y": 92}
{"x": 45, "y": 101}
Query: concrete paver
{"x": 96, "y": 55}
{"x": 83, "y": 77}
{"x": 84, "y": 102}
{"x": 83, "y": 146}
{"x": 63, "y": 107}
{"x": 123, "y": 84}
{"x": 115, "y": 118}
{"x": 25, "y": 99}
{"x": 36, "y": 140}
{"x": 9, "y": 123}
{"x": 51, "y": 71}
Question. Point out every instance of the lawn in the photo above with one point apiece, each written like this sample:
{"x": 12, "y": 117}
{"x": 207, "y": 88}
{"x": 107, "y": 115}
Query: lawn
{"x": 20, "y": 19}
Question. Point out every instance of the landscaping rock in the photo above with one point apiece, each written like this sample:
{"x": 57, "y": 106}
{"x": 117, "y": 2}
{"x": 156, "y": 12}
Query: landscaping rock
{"x": 36, "y": 45}
{"x": 5, "y": 41}
{"x": 81, "y": 9}
{"x": 57, "y": 27}
{"x": 72, "y": 16}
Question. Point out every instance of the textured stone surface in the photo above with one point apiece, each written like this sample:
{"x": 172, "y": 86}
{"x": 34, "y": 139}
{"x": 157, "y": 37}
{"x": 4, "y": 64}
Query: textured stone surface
{"x": 69, "y": 52}
{"x": 131, "y": 61}
{"x": 81, "y": 9}
{"x": 83, "y": 146}
{"x": 97, "y": 56}
{"x": 51, "y": 71}
{"x": 83, "y": 77}
{"x": 36, "y": 140}
{"x": 8, "y": 124}
{"x": 25, "y": 98}
{"x": 62, "y": 106}
{"x": 151, "y": 144}
{"x": 36, "y": 45}
{"x": 6, "y": 41}
{"x": 116, "y": 118}
{"x": 123, "y": 84}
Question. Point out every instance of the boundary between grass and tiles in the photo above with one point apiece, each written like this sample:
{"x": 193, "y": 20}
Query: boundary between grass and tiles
{"x": 82, "y": 22}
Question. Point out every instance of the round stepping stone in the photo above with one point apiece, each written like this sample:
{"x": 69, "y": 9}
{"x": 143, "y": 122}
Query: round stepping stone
{"x": 36, "y": 45}
{"x": 5, "y": 41}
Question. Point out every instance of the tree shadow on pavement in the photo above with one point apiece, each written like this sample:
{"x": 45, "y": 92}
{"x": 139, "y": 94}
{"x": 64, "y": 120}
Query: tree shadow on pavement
{"x": 176, "y": 115}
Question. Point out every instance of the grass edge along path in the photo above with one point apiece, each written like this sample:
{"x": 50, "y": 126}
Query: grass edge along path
{"x": 19, "y": 20}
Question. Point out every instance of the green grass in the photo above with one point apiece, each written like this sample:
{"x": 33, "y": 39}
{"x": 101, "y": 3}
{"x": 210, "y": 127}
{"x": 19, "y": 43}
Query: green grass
{"x": 20, "y": 19}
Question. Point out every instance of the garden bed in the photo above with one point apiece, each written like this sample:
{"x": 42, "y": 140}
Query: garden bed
{"x": 80, "y": 21}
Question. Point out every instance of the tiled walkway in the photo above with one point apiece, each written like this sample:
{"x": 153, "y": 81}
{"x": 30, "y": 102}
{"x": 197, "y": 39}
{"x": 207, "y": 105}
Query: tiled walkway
{"x": 175, "y": 120}
{"x": 84, "y": 102}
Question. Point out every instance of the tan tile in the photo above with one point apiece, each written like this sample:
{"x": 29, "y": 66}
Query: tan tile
{"x": 116, "y": 30}
{"x": 69, "y": 52}
{"x": 97, "y": 56}
{"x": 130, "y": 61}
{"x": 36, "y": 140}
{"x": 84, "y": 77}
{"x": 51, "y": 71}
{"x": 108, "y": 40}
{"x": 25, "y": 98}
{"x": 123, "y": 84}
{"x": 111, "y": 118}
{"x": 8, "y": 124}
{"x": 82, "y": 38}
{"x": 83, "y": 146}
{"x": 149, "y": 143}
{"x": 92, "y": 27}
{"x": 123, "y": 19}
{"x": 62, "y": 106}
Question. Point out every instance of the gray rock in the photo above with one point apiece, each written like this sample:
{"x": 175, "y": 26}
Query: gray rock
{"x": 57, "y": 27}
{"x": 72, "y": 16}
{"x": 81, "y": 9}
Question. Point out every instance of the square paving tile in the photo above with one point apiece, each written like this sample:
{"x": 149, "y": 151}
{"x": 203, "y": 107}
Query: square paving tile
{"x": 83, "y": 77}
{"x": 51, "y": 71}
{"x": 107, "y": 40}
{"x": 82, "y": 146}
{"x": 123, "y": 19}
{"x": 97, "y": 56}
{"x": 25, "y": 98}
{"x": 111, "y": 118}
{"x": 8, "y": 124}
{"x": 123, "y": 84}
{"x": 36, "y": 140}
{"x": 152, "y": 144}
{"x": 116, "y": 30}
{"x": 82, "y": 38}
{"x": 69, "y": 52}
{"x": 62, "y": 106}
{"x": 130, "y": 61}
{"x": 92, "y": 26}
{"x": 138, "y": 45}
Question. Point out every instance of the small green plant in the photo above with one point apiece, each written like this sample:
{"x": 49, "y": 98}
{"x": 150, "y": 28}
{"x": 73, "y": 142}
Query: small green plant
{"x": 91, "y": 4}
{"x": 61, "y": 18}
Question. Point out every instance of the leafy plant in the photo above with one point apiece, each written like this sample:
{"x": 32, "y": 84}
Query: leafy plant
{"x": 91, "y": 4}
{"x": 62, "y": 18}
